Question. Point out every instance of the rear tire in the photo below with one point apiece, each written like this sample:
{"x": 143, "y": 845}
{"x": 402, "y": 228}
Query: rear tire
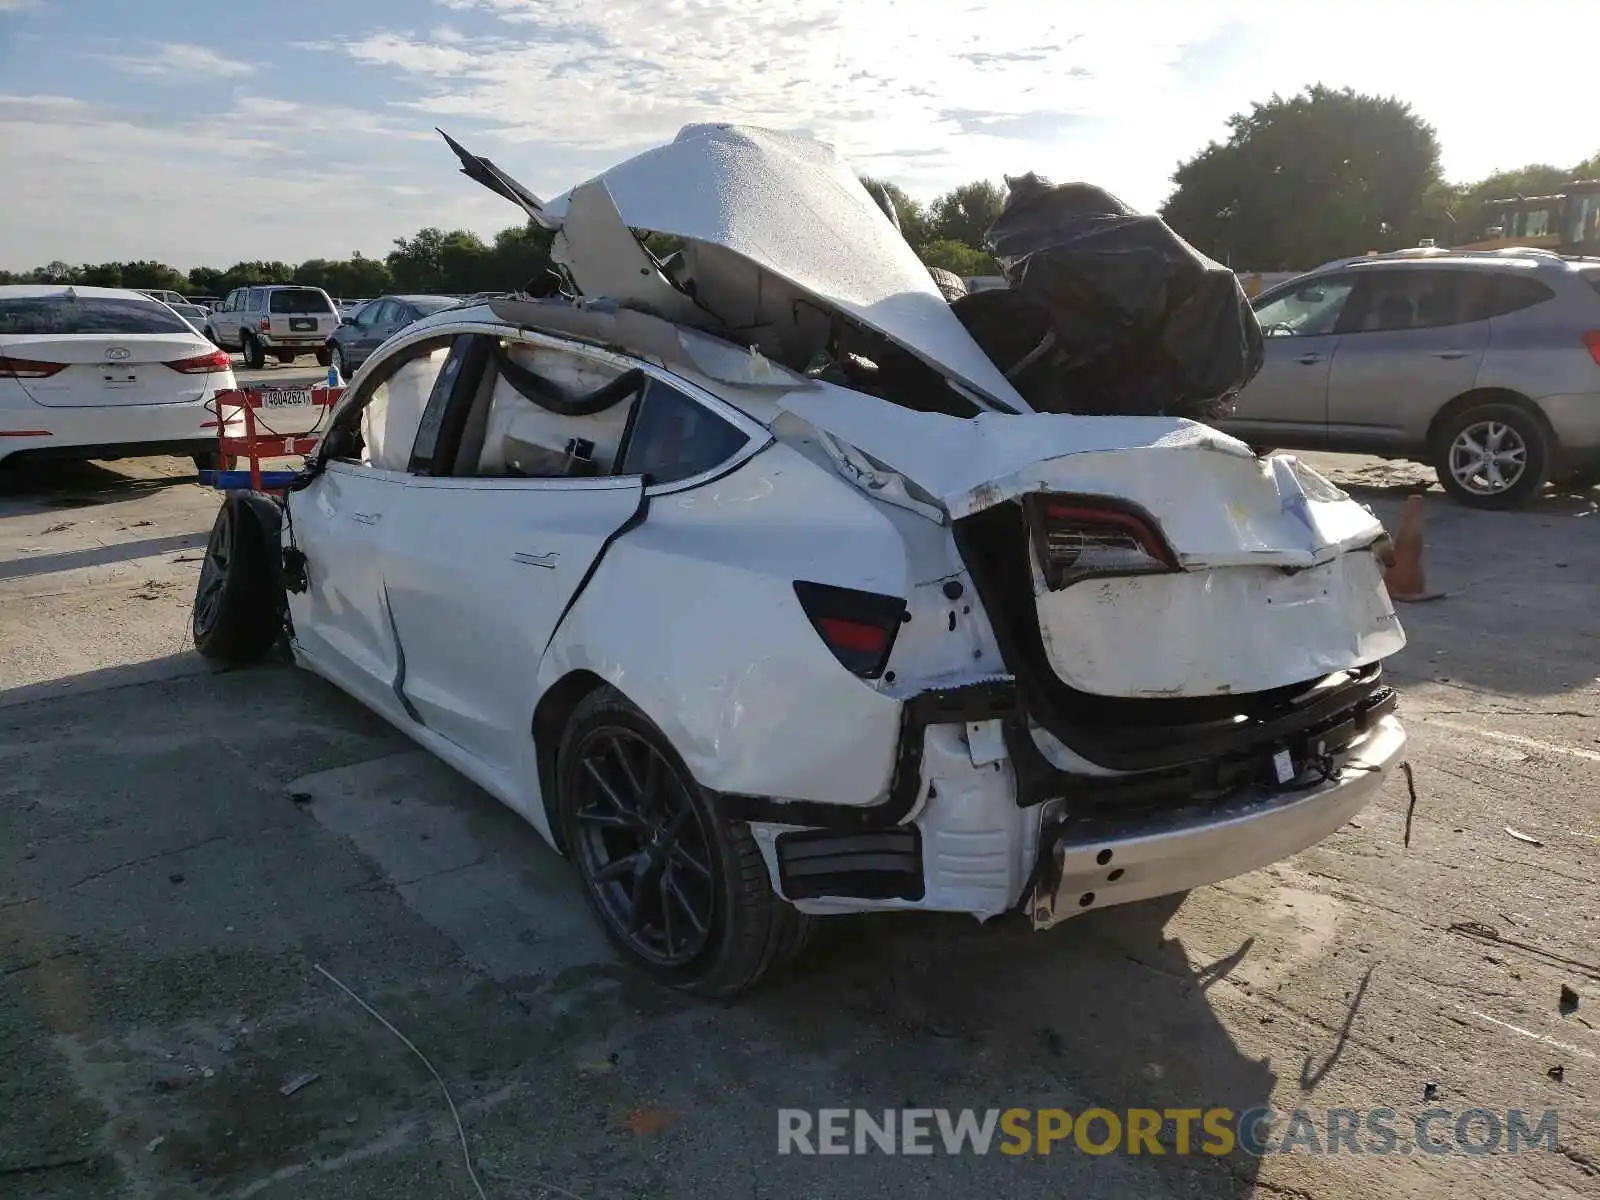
{"x": 285, "y": 359}
{"x": 239, "y": 600}
{"x": 324, "y": 357}
{"x": 672, "y": 852}
{"x": 1493, "y": 456}
{"x": 254, "y": 356}
{"x": 208, "y": 460}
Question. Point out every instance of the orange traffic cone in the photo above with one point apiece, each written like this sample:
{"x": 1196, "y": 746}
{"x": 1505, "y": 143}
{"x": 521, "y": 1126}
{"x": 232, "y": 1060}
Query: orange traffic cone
{"x": 1403, "y": 572}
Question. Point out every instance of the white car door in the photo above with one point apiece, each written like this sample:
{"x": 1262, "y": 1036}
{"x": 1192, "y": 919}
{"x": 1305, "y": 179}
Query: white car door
{"x": 481, "y": 563}
{"x": 342, "y": 622}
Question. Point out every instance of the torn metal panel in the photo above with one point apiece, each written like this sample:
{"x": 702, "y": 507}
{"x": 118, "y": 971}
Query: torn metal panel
{"x": 795, "y": 209}
{"x": 1216, "y": 502}
{"x": 605, "y": 259}
{"x": 638, "y": 333}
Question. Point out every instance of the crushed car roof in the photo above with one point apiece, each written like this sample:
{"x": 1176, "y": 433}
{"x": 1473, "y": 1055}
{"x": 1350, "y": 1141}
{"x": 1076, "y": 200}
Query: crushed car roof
{"x": 788, "y": 206}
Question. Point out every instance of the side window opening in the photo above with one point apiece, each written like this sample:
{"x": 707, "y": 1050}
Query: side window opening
{"x": 675, "y": 438}
{"x": 1397, "y": 300}
{"x": 380, "y": 426}
{"x": 1309, "y": 309}
{"x": 545, "y": 412}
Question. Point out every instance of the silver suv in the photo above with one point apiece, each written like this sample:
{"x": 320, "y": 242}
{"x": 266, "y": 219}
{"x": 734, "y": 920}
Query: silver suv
{"x": 283, "y": 320}
{"x": 1485, "y": 366}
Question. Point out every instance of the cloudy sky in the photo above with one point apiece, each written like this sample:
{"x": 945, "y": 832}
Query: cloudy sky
{"x": 194, "y": 131}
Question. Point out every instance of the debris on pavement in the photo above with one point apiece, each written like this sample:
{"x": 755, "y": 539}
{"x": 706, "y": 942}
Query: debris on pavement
{"x": 298, "y": 1080}
{"x": 649, "y": 1121}
{"x": 1430, "y": 1091}
{"x": 1569, "y": 1001}
{"x": 1523, "y": 837}
{"x": 154, "y": 1143}
{"x": 1557, "y": 1072}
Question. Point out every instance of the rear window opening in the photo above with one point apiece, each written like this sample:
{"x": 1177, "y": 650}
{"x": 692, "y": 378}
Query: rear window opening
{"x": 87, "y": 315}
{"x": 299, "y": 301}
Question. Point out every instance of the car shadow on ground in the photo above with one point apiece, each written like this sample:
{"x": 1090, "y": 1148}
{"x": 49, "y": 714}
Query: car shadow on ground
{"x": 1104, "y": 1011}
{"x": 73, "y": 484}
{"x": 1514, "y": 612}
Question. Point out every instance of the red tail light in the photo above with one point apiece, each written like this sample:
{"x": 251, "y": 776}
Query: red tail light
{"x": 27, "y": 368}
{"x": 216, "y": 360}
{"x": 1591, "y": 341}
{"x": 859, "y": 627}
{"x": 1080, "y": 537}
{"x": 266, "y": 324}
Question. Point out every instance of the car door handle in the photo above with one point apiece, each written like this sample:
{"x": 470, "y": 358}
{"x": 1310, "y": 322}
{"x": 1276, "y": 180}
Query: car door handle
{"x": 1309, "y": 358}
{"x": 367, "y": 518}
{"x": 1451, "y": 353}
{"x": 537, "y": 560}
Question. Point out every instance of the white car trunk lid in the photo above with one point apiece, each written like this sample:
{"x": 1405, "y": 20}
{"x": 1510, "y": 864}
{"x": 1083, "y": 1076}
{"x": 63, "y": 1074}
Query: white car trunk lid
{"x": 109, "y": 369}
{"x": 1275, "y": 582}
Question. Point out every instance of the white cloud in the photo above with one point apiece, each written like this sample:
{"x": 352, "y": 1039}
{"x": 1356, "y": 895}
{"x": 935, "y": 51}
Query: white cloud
{"x": 237, "y": 184}
{"x": 179, "y": 60}
{"x": 18, "y": 5}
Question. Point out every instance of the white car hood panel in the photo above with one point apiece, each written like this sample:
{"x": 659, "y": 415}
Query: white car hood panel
{"x": 794, "y": 208}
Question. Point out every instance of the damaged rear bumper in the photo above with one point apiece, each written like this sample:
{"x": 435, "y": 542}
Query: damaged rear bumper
{"x": 983, "y": 829}
{"x": 1211, "y": 843}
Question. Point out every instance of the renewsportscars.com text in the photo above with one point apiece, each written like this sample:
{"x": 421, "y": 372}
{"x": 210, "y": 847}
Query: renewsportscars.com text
{"x": 1152, "y": 1131}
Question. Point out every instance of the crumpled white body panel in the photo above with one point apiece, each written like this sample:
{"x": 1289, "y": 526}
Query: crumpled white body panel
{"x": 1278, "y": 583}
{"x": 794, "y": 207}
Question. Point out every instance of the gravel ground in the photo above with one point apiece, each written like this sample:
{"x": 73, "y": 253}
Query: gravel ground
{"x": 181, "y": 848}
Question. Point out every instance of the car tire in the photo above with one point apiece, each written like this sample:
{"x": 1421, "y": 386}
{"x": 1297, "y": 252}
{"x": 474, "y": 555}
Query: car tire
{"x": 284, "y": 359}
{"x": 336, "y": 359}
{"x": 239, "y": 600}
{"x": 208, "y": 460}
{"x": 324, "y": 357}
{"x": 1508, "y": 431}
{"x": 254, "y": 356}
{"x": 674, "y": 853}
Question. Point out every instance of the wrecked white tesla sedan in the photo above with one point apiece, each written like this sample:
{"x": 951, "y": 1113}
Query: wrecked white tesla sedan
{"x": 750, "y": 643}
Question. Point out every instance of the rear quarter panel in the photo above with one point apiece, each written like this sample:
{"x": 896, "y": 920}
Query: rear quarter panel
{"x": 1539, "y": 351}
{"x": 692, "y": 615}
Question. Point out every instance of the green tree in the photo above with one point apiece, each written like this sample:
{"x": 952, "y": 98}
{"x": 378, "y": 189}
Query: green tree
{"x": 958, "y": 257}
{"x": 1299, "y": 181}
{"x": 146, "y": 274}
{"x": 521, "y": 255}
{"x": 204, "y": 281}
{"x": 965, "y": 214}
{"x": 913, "y": 216}
{"x": 99, "y": 275}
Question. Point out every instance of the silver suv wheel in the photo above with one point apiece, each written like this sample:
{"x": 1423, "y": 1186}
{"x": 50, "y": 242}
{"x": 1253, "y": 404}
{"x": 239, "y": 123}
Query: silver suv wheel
{"x": 1488, "y": 457}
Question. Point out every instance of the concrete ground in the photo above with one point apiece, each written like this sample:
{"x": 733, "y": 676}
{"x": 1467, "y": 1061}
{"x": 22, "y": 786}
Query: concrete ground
{"x": 181, "y": 849}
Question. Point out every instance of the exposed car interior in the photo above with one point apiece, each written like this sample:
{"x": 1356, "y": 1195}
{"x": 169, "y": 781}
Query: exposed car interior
{"x": 537, "y": 412}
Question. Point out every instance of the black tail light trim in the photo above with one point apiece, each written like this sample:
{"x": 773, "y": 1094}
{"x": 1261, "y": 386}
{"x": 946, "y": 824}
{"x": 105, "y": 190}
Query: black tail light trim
{"x": 859, "y": 627}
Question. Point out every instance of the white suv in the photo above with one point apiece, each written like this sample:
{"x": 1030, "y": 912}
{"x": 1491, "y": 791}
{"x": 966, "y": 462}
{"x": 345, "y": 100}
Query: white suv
{"x": 283, "y": 320}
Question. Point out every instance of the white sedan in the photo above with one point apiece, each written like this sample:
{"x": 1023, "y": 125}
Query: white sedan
{"x": 89, "y": 372}
{"x": 752, "y": 644}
